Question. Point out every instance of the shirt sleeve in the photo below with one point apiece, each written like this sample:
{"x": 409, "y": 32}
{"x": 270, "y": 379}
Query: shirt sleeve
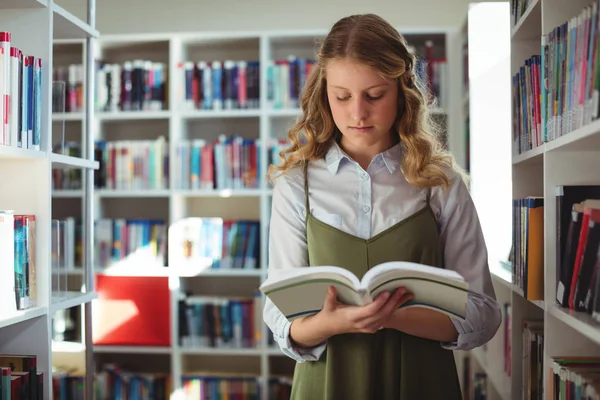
{"x": 466, "y": 253}
{"x": 287, "y": 249}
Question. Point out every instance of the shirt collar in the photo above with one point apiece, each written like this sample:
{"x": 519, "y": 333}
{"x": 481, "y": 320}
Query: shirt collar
{"x": 390, "y": 157}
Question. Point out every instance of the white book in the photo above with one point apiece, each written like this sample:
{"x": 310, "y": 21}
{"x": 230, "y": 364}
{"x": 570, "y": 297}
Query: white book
{"x": 299, "y": 292}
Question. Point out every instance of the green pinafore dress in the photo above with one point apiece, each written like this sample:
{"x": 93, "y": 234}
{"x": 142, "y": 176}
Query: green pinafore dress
{"x": 386, "y": 365}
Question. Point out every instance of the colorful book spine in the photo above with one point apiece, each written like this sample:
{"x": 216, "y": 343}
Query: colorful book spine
{"x": 219, "y": 85}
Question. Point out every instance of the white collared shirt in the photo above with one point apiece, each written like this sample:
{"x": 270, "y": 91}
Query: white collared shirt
{"x": 364, "y": 203}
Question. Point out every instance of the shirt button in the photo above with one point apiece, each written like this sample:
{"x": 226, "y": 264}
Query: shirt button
{"x": 366, "y": 209}
{"x": 365, "y": 176}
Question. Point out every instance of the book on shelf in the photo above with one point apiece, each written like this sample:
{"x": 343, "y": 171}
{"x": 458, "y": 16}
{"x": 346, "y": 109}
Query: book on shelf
{"x": 17, "y": 262}
{"x": 220, "y": 322}
{"x": 132, "y": 164}
{"x": 216, "y": 385}
{"x": 574, "y": 374}
{"x": 551, "y": 96}
{"x": 528, "y": 247}
{"x": 21, "y": 81}
{"x": 577, "y": 246}
{"x": 137, "y": 85}
{"x": 219, "y": 85}
{"x": 19, "y": 377}
{"x": 72, "y": 75}
{"x": 197, "y": 243}
{"x": 299, "y": 292}
{"x": 129, "y": 242}
{"x": 112, "y": 381}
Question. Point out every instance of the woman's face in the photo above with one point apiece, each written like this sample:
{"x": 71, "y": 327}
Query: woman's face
{"x": 364, "y": 107}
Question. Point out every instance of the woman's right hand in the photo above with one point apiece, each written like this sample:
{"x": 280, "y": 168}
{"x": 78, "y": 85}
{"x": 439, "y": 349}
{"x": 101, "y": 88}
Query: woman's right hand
{"x": 336, "y": 318}
{"x": 341, "y": 318}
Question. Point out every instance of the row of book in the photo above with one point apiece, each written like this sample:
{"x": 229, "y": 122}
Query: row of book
{"x": 21, "y": 83}
{"x": 20, "y": 378}
{"x": 219, "y": 85}
{"x": 18, "y": 289}
{"x": 517, "y": 10}
{"x": 230, "y": 162}
{"x": 112, "y": 382}
{"x": 220, "y": 322}
{"x": 196, "y": 244}
{"x": 72, "y": 75}
{"x": 528, "y": 247}
{"x": 132, "y": 164}
{"x": 286, "y": 79}
{"x": 227, "y": 163}
{"x": 137, "y": 85}
{"x": 578, "y": 264}
{"x": 533, "y": 359}
{"x": 214, "y": 386}
{"x": 573, "y": 377}
{"x": 135, "y": 242}
{"x": 556, "y": 91}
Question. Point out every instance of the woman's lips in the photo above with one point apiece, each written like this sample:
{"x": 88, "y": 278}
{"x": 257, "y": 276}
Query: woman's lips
{"x": 361, "y": 128}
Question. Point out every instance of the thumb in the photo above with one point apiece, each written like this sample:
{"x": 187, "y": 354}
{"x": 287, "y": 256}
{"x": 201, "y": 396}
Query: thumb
{"x": 330, "y": 298}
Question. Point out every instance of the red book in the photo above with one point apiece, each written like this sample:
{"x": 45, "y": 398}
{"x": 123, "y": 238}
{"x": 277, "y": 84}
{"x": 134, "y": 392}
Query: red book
{"x": 132, "y": 311}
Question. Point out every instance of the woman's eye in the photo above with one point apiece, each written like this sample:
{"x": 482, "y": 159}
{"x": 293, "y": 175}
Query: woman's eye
{"x": 342, "y": 98}
{"x": 375, "y": 97}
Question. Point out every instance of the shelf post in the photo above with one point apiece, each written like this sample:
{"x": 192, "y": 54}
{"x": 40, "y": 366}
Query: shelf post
{"x": 88, "y": 152}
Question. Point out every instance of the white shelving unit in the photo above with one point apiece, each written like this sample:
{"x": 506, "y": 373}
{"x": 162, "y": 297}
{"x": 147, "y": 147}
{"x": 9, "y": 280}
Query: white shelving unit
{"x": 572, "y": 158}
{"x": 172, "y": 204}
{"x": 26, "y": 184}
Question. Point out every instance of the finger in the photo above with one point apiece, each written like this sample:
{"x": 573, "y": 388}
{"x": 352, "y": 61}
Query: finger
{"x": 374, "y": 306}
{"x": 388, "y": 308}
{"x": 330, "y": 298}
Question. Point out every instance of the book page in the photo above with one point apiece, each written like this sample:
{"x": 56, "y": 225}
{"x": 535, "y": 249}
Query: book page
{"x": 435, "y": 288}
{"x": 302, "y": 291}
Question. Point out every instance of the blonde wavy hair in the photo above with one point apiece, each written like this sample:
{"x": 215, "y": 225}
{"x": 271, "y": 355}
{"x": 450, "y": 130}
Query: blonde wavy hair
{"x": 371, "y": 40}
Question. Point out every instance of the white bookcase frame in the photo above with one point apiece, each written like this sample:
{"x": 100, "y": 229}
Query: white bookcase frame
{"x": 26, "y": 173}
{"x": 247, "y": 203}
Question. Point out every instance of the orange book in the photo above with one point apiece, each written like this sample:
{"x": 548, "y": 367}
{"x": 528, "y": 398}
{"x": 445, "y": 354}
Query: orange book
{"x": 535, "y": 249}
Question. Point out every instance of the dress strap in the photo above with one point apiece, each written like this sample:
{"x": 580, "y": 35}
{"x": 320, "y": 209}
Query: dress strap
{"x": 306, "y": 188}
{"x": 428, "y": 196}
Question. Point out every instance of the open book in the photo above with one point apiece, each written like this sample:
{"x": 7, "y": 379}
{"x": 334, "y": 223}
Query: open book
{"x": 299, "y": 292}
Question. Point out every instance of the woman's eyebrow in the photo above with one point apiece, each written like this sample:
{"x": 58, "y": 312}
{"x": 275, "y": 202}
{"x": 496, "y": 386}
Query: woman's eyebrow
{"x": 370, "y": 87}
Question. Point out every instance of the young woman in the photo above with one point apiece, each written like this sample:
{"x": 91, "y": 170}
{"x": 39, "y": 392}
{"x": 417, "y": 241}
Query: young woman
{"x": 365, "y": 181}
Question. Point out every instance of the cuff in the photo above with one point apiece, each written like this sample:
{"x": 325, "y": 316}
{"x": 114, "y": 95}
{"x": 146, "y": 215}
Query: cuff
{"x": 465, "y": 340}
{"x": 299, "y": 354}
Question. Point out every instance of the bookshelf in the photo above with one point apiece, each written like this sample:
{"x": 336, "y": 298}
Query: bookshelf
{"x": 172, "y": 200}
{"x": 29, "y": 245}
{"x": 553, "y": 150}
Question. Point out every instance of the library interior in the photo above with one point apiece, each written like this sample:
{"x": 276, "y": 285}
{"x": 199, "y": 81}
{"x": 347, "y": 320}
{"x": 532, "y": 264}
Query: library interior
{"x": 153, "y": 256}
